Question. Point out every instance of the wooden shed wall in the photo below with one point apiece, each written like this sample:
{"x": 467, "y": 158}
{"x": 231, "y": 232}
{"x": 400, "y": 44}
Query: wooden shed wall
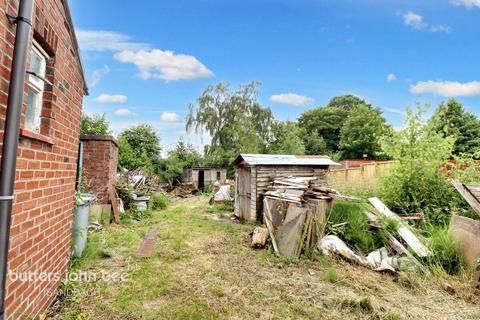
{"x": 265, "y": 174}
{"x": 261, "y": 177}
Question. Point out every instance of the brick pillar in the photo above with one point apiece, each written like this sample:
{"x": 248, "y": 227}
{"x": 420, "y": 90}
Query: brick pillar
{"x": 100, "y": 157}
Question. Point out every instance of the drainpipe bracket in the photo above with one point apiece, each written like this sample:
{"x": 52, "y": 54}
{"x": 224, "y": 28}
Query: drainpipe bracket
{"x": 6, "y": 198}
{"x": 16, "y": 20}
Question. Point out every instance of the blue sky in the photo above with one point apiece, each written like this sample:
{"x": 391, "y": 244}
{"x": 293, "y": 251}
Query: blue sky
{"x": 146, "y": 61}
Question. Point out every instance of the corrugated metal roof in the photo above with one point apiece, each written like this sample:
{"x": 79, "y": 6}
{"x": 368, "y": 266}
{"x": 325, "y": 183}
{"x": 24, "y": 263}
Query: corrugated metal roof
{"x": 282, "y": 159}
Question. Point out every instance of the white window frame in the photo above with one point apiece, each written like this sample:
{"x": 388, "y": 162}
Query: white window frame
{"x": 37, "y": 85}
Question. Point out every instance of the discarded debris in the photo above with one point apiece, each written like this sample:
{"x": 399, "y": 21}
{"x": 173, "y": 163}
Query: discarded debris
{"x": 114, "y": 199}
{"x": 296, "y": 212}
{"x": 377, "y": 260}
{"x": 141, "y": 202}
{"x": 466, "y": 233}
{"x": 95, "y": 227}
{"x": 142, "y": 182}
{"x": 448, "y": 288}
{"x": 402, "y": 228}
{"x": 185, "y": 190}
{"x": 471, "y": 194}
{"x": 145, "y": 250}
{"x": 259, "y": 237}
{"x": 223, "y": 194}
{"x": 300, "y": 189}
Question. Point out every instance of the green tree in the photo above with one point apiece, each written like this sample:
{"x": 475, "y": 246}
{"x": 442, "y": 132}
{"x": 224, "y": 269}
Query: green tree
{"x": 452, "y": 119}
{"x": 346, "y": 102}
{"x": 234, "y": 119}
{"x": 418, "y": 182}
{"x": 96, "y": 124}
{"x": 314, "y": 143}
{"x": 287, "y": 139}
{"x": 361, "y": 133}
{"x": 126, "y": 157}
{"x": 327, "y": 121}
{"x": 143, "y": 142}
{"x": 183, "y": 156}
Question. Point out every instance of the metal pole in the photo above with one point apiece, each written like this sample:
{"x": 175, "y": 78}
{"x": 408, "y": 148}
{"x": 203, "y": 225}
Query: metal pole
{"x": 11, "y": 134}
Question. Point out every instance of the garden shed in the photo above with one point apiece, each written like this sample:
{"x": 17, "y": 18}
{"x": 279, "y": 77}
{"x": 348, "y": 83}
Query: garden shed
{"x": 203, "y": 176}
{"x": 254, "y": 173}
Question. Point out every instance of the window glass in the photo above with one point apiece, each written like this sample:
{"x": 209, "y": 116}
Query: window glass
{"x": 32, "y": 116}
{"x": 38, "y": 62}
{"x": 37, "y": 65}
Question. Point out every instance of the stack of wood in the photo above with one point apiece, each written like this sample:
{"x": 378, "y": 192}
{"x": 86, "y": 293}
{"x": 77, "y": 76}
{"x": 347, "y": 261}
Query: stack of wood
{"x": 296, "y": 211}
{"x": 300, "y": 189}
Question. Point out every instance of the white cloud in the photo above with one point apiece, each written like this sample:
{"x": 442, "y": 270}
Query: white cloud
{"x": 114, "y": 99}
{"x": 98, "y": 40}
{"x": 169, "y": 117}
{"x": 97, "y": 75}
{"x": 391, "y": 77}
{"x": 447, "y": 88}
{"x": 291, "y": 99}
{"x": 397, "y": 111}
{"x": 165, "y": 65}
{"x": 416, "y": 21}
{"x": 124, "y": 112}
{"x": 469, "y": 4}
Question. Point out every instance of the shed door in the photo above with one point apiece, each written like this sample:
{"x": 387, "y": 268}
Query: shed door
{"x": 244, "y": 192}
{"x": 201, "y": 179}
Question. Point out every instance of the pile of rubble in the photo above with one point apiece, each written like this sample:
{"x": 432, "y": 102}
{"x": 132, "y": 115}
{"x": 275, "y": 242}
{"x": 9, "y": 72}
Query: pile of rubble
{"x": 296, "y": 211}
{"x": 186, "y": 190}
{"x": 142, "y": 182}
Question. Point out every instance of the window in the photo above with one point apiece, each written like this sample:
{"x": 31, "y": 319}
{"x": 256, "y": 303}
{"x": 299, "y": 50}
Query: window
{"x": 218, "y": 175}
{"x": 38, "y": 64}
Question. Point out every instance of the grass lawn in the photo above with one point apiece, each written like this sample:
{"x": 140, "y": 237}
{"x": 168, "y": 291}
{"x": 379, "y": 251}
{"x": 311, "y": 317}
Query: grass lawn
{"x": 203, "y": 268}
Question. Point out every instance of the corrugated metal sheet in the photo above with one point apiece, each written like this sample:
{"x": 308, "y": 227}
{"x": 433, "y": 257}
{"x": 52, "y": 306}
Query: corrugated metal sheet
{"x": 280, "y": 159}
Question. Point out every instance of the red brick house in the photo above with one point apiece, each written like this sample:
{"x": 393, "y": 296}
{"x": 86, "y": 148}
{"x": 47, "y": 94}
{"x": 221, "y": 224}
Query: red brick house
{"x": 47, "y": 156}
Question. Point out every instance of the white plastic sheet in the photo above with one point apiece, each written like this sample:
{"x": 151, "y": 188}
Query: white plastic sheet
{"x": 377, "y": 260}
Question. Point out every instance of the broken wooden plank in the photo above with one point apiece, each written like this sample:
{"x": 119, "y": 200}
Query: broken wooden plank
{"x": 465, "y": 192}
{"x": 115, "y": 205}
{"x": 145, "y": 250}
{"x": 267, "y": 217}
{"x": 394, "y": 243}
{"x": 402, "y": 228}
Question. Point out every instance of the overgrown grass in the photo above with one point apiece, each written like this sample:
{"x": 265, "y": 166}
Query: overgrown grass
{"x": 444, "y": 256}
{"x": 222, "y": 208}
{"x": 353, "y": 227}
{"x": 331, "y": 275}
{"x": 158, "y": 201}
{"x": 205, "y": 269}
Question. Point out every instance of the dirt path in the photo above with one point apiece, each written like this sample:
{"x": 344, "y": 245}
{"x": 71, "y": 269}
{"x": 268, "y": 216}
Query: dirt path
{"x": 203, "y": 268}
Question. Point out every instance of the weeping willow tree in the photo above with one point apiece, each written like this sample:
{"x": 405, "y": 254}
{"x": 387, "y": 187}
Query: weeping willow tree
{"x": 234, "y": 120}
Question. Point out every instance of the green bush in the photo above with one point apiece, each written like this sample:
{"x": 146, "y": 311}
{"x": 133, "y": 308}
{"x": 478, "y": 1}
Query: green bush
{"x": 418, "y": 181}
{"x": 135, "y": 214}
{"x": 158, "y": 202}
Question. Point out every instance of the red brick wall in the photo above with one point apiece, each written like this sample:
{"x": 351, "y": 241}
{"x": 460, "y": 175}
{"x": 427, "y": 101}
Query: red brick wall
{"x": 47, "y": 162}
{"x": 100, "y": 157}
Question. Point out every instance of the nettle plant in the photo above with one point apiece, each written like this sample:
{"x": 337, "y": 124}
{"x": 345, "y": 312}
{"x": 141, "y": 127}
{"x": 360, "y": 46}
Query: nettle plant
{"x": 419, "y": 181}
